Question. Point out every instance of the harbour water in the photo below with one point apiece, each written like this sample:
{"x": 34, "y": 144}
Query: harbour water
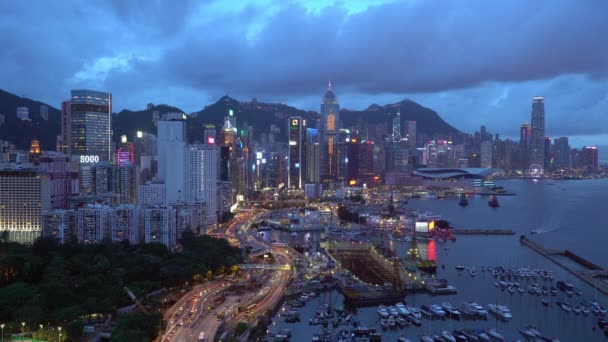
{"x": 566, "y": 214}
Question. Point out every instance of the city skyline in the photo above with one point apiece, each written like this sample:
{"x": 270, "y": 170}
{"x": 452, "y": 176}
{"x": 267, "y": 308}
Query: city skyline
{"x": 494, "y": 89}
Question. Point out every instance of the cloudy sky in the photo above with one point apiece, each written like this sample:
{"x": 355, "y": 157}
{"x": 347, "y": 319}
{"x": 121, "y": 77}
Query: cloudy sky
{"x": 474, "y": 62}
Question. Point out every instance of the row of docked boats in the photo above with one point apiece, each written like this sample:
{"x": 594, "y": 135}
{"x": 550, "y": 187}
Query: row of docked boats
{"x": 465, "y": 335}
{"x": 471, "y": 310}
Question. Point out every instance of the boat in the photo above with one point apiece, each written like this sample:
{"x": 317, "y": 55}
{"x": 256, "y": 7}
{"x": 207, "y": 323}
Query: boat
{"x": 565, "y": 306}
{"x": 393, "y": 311}
{"x": 403, "y": 311}
{"x": 533, "y": 330}
{"x": 495, "y": 335}
{"x": 576, "y": 309}
{"x": 527, "y": 333}
{"x": 415, "y": 321}
{"x": 460, "y": 267}
{"x": 483, "y": 336}
{"x": 521, "y": 290}
{"x": 403, "y": 339}
{"x": 463, "y": 200}
{"x": 391, "y": 322}
{"x": 384, "y": 323}
{"x": 470, "y": 335}
{"x": 401, "y": 321}
{"x": 545, "y": 302}
{"x": 426, "y": 311}
{"x": 493, "y": 202}
{"x": 585, "y": 309}
{"x": 437, "y": 310}
{"x": 478, "y": 309}
{"x": 382, "y": 312}
{"x": 447, "y": 336}
{"x": 459, "y": 335}
{"x": 414, "y": 312}
{"x": 426, "y": 338}
{"x": 500, "y": 311}
{"x": 451, "y": 311}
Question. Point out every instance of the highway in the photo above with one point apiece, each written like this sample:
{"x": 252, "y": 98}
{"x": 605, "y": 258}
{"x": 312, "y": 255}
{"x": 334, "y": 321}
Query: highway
{"x": 196, "y": 311}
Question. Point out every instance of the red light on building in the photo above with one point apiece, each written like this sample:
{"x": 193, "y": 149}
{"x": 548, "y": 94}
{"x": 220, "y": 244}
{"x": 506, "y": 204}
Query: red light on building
{"x": 210, "y": 140}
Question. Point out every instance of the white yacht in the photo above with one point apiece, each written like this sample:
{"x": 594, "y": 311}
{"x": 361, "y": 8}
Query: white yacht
{"x": 501, "y": 311}
{"x": 403, "y": 311}
{"x": 448, "y": 337}
{"x": 382, "y": 312}
{"x": 414, "y": 312}
{"x": 437, "y": 310}
{"x": 478, "y": 309}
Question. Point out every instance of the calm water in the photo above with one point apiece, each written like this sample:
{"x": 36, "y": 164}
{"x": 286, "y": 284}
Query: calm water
{"x": 570, "y": 215}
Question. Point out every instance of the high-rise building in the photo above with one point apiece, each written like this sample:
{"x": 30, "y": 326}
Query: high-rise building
{"x": 486, "y": 154}
{"x": 589, "y": 157}
{"x": 313, "y": 156}
{"x": 201, "y": 181}
{"x": 160, "y": 225}
{"x": 409, "y": 132}
{"x": 25, "y": 195}
{"x": 125, "y": 224}
{"x": 152, "y": 194}
{"x": 537, "y": 141}
{"x": 66, "y": 128}
{"x": 35, "y": 152}
{"x": 548, "y": 154}
{"x": 44, "y": 112}
{"x": 296, "y": 156}
{"x": 525, "y": 133}
{"x": 60, "y": 224}
{"x": 561, "y": 151}
{"x": 126, "y": 184}
{"x": 93, "y": 223}
{"x": 91, "y": 124}
{"x": 210, "y": 135}
{"x": 172, "y": 142}
{"x": 330, "y": 126}
{"x": 64, "y": 180}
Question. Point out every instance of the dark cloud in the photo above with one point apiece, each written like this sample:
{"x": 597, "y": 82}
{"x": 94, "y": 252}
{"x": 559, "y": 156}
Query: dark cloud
{"x": 474, "y": 62}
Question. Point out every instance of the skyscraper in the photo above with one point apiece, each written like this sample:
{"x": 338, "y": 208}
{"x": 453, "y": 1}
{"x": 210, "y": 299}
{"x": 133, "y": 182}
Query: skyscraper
{"x": 313, "y": 156}
{"x": 296, "y": 155}
{"x": 89, "y": 121}
{"x": 486, "y": 154}
{"x": 171, "y": 151}
{"x": 201, "y": 180}
{"x": 561, "y": 152}
{"x": 590, "y": 157}
{"x": 66, "y": 128}
{"x": 537, "y": 143}
{"x": 330, "y": 126}
{"x": 409, "y": 131}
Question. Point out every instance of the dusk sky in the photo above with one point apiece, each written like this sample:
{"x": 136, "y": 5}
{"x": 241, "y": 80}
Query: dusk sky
{"x": 474, "y": 62}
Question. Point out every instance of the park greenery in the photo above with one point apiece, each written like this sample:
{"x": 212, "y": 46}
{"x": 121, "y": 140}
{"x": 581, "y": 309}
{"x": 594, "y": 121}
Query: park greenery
{"x": 73, "y": 284}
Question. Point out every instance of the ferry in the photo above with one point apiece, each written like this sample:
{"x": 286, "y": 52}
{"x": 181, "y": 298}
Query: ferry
{"x": 500, "y": 311}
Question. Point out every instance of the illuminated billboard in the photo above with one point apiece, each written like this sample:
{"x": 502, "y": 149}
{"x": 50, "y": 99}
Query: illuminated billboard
{"x": 422, "y": 227}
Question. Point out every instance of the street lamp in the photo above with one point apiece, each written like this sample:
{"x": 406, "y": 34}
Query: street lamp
{"x": 59, "y": 339}
{"x": 2, "y": 326}
{"x": 22, "y": 327}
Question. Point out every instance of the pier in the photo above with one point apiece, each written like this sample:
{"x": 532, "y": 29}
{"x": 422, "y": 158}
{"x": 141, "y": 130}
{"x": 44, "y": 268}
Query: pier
{"x": 593, "y": 274}
{"x": 483, "y": 231}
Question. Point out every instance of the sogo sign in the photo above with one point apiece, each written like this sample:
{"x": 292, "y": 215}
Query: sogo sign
{"x": 89, "y": 159}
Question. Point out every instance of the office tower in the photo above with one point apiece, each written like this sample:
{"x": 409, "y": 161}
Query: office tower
{"x": 201, "y": 181}
{"x": 525, "y": 133}
{"x": 64, "y": 180}
{"x": 353, "y": 164}
{"x": 66, "y": 128}
{"x": 589, "y": 158}
{"x": 537, "y": 142}
{"x": 486, "y": 154}
{"x": 366, "y": 160}
{"x": 296, "y": 156}
{"x": 124, "y": 224}
{"x": 59, "y": 224}
{"x": 227, "y": 134}
{"x": 561, "y": 152}
{"x": 548, "y": 154}
{"x": 126, "y": 152}
{"x": 93, "y": 223}
{"x": 103, "y": 177}
{"x": 44, "y": 112}
{"x": 23, "y": 113}
{"x": 35, "y": 152}
{"x": 409, "y": 130}
{"x": 172, "y": 142}
{"x": 126, "y": 184}
{"x": 209, "y": 135}
{"x": 145, "y": 144}
{"x": 160, "y": 226}
{"x": 91, "y": 124}
{"x": 330, "y": 126}
{"x": 152, "y": 194}
{"x": 343, "y": 139}
{"x": 25, "y": 195}
{"x": 313, "y": 156}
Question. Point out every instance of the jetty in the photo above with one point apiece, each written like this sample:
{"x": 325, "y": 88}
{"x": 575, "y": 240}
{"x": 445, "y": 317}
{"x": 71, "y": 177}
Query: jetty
{"x": 592, "y": 273}
{"x": 483, "y": 231}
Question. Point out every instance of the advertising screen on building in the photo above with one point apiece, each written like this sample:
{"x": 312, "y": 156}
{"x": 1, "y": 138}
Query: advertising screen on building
{"x": 422, "y": 227}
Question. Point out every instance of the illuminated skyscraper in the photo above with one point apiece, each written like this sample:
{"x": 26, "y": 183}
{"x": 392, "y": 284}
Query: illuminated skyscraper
{"x": 90, "y": 117}
{"x": 172, "y": 142}
{"x": 537, "y": 143}
{"x": 296, "y": 156}
{"x": 330, "y": 126}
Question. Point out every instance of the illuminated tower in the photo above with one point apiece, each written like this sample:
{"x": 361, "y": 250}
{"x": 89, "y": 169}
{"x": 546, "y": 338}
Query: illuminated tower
{"x": 537, "y": 142}
{"x": 330, "y": 126}
{"x": 296, "y": 156}
{"x": 90, "y": 117}
{"x": 35, "y": 152}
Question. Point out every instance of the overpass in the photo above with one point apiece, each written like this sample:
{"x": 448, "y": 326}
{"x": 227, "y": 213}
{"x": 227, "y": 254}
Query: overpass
{"x": 285, "y": 267}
